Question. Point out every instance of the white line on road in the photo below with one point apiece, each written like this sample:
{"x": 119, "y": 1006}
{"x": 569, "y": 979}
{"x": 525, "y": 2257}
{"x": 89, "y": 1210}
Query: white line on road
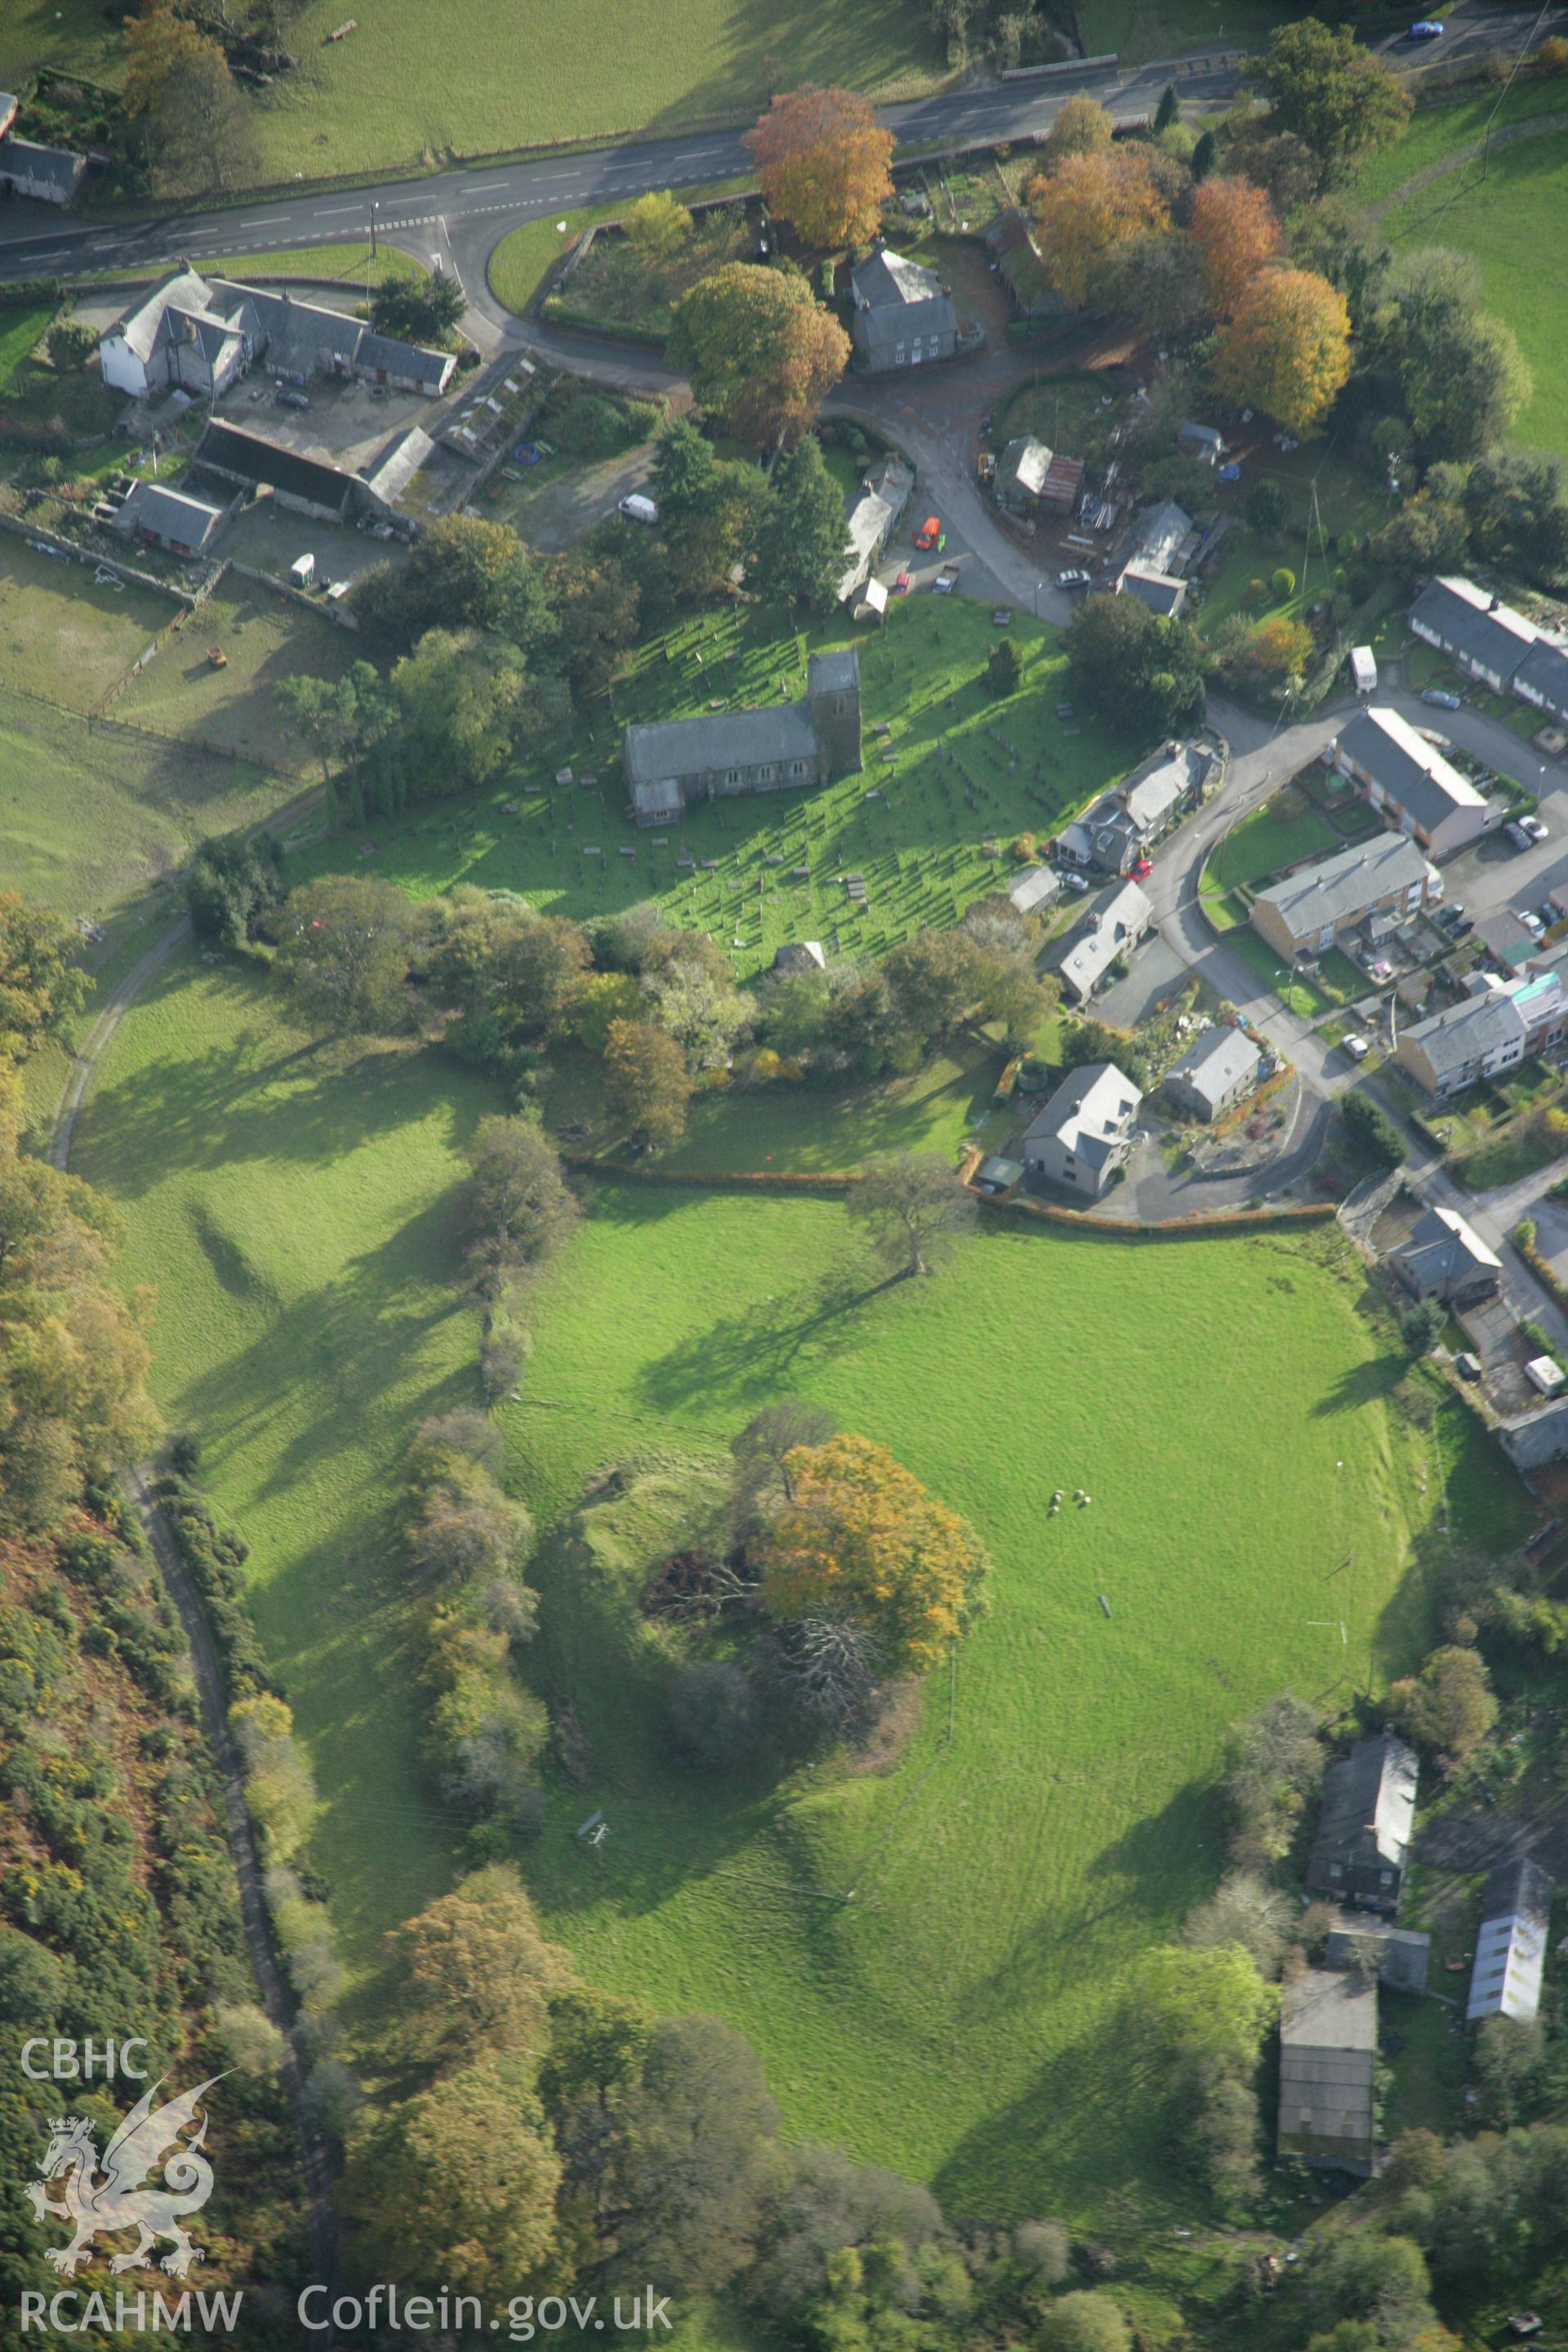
{"x": 487, "y": 187}
{"x": 326, "y": 212}
{"x": 261, "y": 224}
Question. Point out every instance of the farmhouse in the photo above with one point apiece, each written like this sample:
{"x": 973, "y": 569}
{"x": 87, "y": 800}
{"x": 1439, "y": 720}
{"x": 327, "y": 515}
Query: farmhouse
{"x": 1363, "y": 1825}
{"x": 882, "y": 500}
{"x": 1410, "y": 785}
{"x": 1030, "y": 478}
{"x": 1123, "y": 826}
{"x": 1010, "y": 241}
{"x": 723, "y": 754}
{"x": 1445, "y": 1258}
{"x": 1492, "y": 1030}
{"x": 1217, "y": 1071}
{"x": 1084, "y": 1134}
{"x": 1328, "y": 2062}
{"x": 1511, "y": 1949}
{"x": 196, "y": 334}
{"x": 168, "y": 518}
{"x": 1481, "y": 634}
{"x": 1304, "y": 914}
{"x": 1112, "y": 928}
{"x": 903, "y": 314}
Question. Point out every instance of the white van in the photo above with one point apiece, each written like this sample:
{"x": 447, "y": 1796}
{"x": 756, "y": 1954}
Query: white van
{"x": 636, "y": 509}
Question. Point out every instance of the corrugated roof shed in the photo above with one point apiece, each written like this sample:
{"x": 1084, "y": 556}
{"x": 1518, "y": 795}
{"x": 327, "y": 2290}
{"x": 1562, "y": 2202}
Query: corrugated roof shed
{"x": 1327, "y": 2062}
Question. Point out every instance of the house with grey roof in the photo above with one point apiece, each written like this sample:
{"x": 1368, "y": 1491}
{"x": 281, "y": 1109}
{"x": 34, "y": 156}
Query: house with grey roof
{"x": 1510, "y": 1947}
{"x": 784, "y": 747}
{"x": 1480, "y": 635}
{"x": 1364, "y": 1825}
{"x": 1541, "y": 678}
{"x": 1160, "y": 591}
{"x": 1218, "y": 1070}
{"x": 1032, "y": 478}
{"x": 197, "y": 334}
{"x": 1399, "y": 1958}
{"x": 168, "y": 518}
{"x": 1328, "y": 2067}
{"x": 1159, "y": 538}
{"x": 1124, "y": 825}
{"x": 1111, "y": 929}
{"x": 903, "y": 315}
{"x": 1410, "y": 783}
{"x": 50, "y": 175}
{"x": 883, "y": 497}
{"x": 1444, "y": 1257}
{"x": 1084, "y": 1134}
{"x": 1463, "y": 1043}
{"x": 1305, "y": 913}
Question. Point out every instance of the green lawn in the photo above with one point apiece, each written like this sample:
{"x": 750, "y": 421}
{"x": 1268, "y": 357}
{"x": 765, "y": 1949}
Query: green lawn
{"x": 22, "y": 327}
{"x": 265, "y": 636}
{"x": 91, "y": 818}
{"x": 1444, "y": 125}
{"x": 965, "y": 770}
{"x": 1283, "y": 832}
{"x": 61, "y": 634}
{"x": 1298, "y": 995}
{"x": 956, "y": 2014}
{"x": 415, "y": 84}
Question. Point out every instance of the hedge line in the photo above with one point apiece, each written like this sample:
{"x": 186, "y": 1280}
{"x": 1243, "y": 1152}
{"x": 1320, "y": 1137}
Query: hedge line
{"x": 567, "y": 314}
{"x": 765, "y": 1180}
{"x": 1190, "y": 1228}
{"x": 215, "y": 1557}
{"x": 1542, "y": 1270}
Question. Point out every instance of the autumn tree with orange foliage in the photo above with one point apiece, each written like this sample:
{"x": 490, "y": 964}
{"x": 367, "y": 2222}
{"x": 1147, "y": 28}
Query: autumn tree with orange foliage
{"x": 861, "y": 1542}
{"x": 758, "y": 349}
{"x": 1089, "y": 206}
{"x": 822, "y": 160}
{"x": 1285, "y": 349}
{"x": 1237, "y": 236}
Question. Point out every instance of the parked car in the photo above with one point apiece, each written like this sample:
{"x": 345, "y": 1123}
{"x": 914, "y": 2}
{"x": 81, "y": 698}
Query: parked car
{"x": 1141, "y": 869}
{"x": 1532, "y": 923}
{"x": 1534, "y": 826}
{"x": 1468, "y": 1366}
{"x": 1462, "y": 928}
{"x": 1071, "y": 879}
{"x": 1525, "y": 831}
{"x": 930, "y": 533}
{"x": 944, "y": 583}
{"x": 1547, "y": 914}
{"x": 287, "y": 397}
{"x": 902, "y": 584}
{"x": 1357, "y": 1046}
{"x": 1073, "y": 579}
{"x": 1441, "y": 700}
{"x": 1425, "y": 29}
{"x": 1450, "y": 917}
{"x": 637, "y": 508}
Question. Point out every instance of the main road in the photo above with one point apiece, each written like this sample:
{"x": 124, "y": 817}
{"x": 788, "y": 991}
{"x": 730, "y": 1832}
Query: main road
{"x": 458, "y": 216}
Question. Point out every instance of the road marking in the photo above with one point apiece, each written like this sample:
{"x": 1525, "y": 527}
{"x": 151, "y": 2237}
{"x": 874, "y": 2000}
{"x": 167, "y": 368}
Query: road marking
{"x": 261, "y": 224}
{"x": 486, "y": 186}
{"x": 328, "y": 212}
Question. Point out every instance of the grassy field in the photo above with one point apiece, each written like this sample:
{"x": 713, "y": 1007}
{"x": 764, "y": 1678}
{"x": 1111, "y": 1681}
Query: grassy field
{"x": 265, "y": 637}
{"x": 92, "y": 818}
{"x": 1447, "y": 123}
{"x": 414, "y": 84}
{"x": 22, "y": 327}
{"x": 963, "y": 770}
{"x": 959, "y": 2016}
{"x": 64, "y": 636}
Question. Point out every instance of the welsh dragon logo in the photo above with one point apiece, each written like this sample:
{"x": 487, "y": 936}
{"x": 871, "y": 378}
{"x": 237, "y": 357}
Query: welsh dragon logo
{"x": 97, "y": 2200}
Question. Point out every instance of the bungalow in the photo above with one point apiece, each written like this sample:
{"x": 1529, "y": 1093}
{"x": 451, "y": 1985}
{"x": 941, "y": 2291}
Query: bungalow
{"x": 1112, "y": 930}
{"x": 1159, "y": 590}
{"x": 1307, "y": 912}
{"x": 1217, "y": 1071}
{"x": 903, "y": 315}
{"x": 1084, "y": 1134}
{"x": 1482, "y": 636}
{"x": 1328, "y": 2067}
{"x": 1410, "y": 785}
{"x": 1365, "y": 1824}
{"x": 168, "y": 518}
{"x": 1010, "y": 241}
{"x": 1511, "y": 1949}
{"x": 883, "y": 497}
{"x": 1030, "y": 477}
{"x": 1541, "y": 678}
{"x": 1445, "y": 1258}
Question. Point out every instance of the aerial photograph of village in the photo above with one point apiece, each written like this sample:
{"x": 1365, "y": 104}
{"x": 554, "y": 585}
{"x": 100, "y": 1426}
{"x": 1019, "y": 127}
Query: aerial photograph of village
{"x": 783, "y": 1175}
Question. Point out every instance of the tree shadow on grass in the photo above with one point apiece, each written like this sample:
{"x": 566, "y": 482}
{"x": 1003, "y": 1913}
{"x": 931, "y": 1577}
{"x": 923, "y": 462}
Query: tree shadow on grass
{"x": 755, "y": 1353}
{"x": 1363, "y": 1384}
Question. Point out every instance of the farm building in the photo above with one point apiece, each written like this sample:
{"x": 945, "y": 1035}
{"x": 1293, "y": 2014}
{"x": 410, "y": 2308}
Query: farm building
{"x": 786, "y": 748}
{"x": 1410, "y": 783}
{"x": 883, "y": 498}
{"x": 1327, "y": 2062}
{"x": 1510, "y": 1947}
{"x": 1480, "y": 635}
{"x": 1084, "y": 1134}
{"x": 1306, "y": 913}
{"x": 1160, "y": 591}
{"x": 1112, "y": 928}
{"x": 1492, "y": 1030}
{"x": 1397, "y": 1956}
{"x": 1035, "y": 889}
{"x": 1445, "y": 1258}
{"x": 1163, "y": 539}
{"x": 168, "y": 518}
{"x": 903, "y": 314}
{"x": 1364, "y": 1823}
{"x": 1217, "y": 1071}
{"x": 303, "y": 483}
{"x": 1031, "y": 479}
{"x": 1010, "y": 240}
{"x": 197, "y": 334}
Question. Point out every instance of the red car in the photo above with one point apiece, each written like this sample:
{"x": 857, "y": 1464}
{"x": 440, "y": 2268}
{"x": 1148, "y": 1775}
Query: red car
{"x": 901, "y": 584}
{"x": 1142, "y": 870}
{"x": 930, "y": 533}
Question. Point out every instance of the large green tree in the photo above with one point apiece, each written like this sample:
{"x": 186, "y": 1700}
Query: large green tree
{"x": 343, "y": 953}
{"x": 760, "y": 349}
{"x": 1335, "y": 95}
{"x": 1461, "y": 375}
{"x": 708, "y": 506}
{"x": 1141, "y": 672}
{"x": 802, "y": 534}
